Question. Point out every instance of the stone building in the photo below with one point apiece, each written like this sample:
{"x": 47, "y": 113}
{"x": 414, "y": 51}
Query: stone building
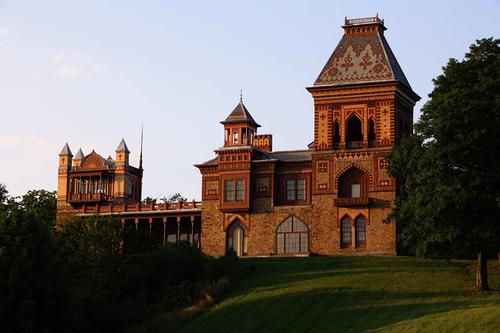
{"x": 333, "y": 197}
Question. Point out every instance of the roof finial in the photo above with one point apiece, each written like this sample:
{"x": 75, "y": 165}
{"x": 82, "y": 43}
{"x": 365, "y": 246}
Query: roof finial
{"x": 241, "y": 95}
{"x": 140, "y": 156}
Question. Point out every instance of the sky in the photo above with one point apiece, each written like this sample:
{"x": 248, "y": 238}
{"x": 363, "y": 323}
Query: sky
{"x": 91, "y": 72}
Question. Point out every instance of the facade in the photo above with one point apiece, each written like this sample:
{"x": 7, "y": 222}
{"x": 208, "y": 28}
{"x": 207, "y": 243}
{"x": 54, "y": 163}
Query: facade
{"x": 91, "y": 184}
{"x": 92, "y": 179}
{"x": 333, "y": 197}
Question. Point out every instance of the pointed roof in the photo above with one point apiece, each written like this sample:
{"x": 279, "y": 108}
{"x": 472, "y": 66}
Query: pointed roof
{"x": 122, "y": 147}
{"x": 362, "y": 56}
{"x": 79, "y": 155}
{"x": 240, "y": 114}
{"x": 66, "y": 151}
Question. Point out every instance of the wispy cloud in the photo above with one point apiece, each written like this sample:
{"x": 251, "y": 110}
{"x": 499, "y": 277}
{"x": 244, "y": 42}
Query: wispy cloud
{"x": 75, "y": 64}
{"x": 5, "y": 46}
{"x": 68, "y": 70}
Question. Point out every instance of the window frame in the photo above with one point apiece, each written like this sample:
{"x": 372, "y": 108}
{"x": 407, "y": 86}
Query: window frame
{"x": 237, "y": 192}
{"x": 292, "y": 235}
{"x": 294, "y": 190}
{"x": 358, "y": 232}
{"x": 344, "y": 231}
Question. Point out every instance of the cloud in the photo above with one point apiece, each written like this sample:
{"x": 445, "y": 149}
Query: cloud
{"x": 68, "y": 70}
{"x": 5, "y": 46}
{"x": 75, "y": 64}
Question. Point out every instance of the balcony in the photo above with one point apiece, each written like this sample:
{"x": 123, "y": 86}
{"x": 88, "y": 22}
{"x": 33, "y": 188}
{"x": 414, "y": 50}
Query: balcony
{"x": 88, "y": 197}
{"x": 349, "y": 202}
{"x": 354, "y": 144}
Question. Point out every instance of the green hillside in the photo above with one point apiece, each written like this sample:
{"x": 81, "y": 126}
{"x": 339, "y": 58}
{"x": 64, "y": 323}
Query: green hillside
{"x": 347, "y": 294}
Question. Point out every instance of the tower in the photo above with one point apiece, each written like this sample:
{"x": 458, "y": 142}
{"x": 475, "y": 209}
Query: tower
{"x": 363, "y": 106}
{"x": 65, "y": 161}
{"x": 361, "y": 97}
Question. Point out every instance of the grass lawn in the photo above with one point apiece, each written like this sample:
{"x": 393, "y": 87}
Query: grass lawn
{"x": 347, "y": 294}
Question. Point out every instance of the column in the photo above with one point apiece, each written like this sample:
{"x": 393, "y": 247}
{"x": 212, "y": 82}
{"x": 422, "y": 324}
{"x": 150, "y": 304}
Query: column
{"x": 150, "y": 226}
{"x": 192, "y": 229}
{"x": 136, "y": 222}
{"x": 178, "y": 229}
{"x": 164, "y": 230}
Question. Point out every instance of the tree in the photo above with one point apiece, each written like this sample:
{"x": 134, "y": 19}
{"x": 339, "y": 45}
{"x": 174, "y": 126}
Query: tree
{"x": 177, "y": 197}
{"x": 30, "y": 291}
{"x": 448, "y": 170}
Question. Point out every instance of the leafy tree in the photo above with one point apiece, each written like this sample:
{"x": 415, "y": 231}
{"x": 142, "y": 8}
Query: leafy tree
{"x": 449, "y": 169}
{"x": 30, "y": 289}
{"x": 177, "y": 197}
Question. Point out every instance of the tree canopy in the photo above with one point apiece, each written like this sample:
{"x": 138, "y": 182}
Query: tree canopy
{"x": 449, "y": 168}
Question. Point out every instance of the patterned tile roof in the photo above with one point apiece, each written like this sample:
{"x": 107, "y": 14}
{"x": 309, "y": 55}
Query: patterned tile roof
{"x": 240, "y": 114}
{"x": 360, "y": 58}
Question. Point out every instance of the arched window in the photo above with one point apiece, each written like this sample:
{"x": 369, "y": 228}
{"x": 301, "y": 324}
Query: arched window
{"x": 371, "y": 133}
{"x": 235, "y": 237}
{"x": 353, "y": 184}
{"x": 292, "y": 236}
{"x": 346, "y": 232}
{"x": 360, "y": 225}
{"x": 354, "y": 136}
{"x": 336, "y": 134}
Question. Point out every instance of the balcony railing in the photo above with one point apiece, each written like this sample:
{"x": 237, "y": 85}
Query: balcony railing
{"x": 88, "y": 197}
{"x": 121, "y": 208}
{"x": 345, "y": 202}
{"x": 363, "y": 20}
{"x": 354, "y": 144}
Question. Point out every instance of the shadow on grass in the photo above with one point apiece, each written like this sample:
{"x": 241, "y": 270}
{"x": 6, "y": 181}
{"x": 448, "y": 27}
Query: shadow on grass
{"x": 323, "y": 310}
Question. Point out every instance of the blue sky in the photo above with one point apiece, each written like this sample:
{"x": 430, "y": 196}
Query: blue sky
{"x": 90, "y": 72}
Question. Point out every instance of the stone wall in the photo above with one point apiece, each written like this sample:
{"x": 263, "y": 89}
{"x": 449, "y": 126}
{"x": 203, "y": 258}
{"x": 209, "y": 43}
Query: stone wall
{"x": 321, "y": 217}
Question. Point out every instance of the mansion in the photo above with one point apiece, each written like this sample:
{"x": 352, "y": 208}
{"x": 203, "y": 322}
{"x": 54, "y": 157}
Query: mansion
{"x": 331, "y": 198}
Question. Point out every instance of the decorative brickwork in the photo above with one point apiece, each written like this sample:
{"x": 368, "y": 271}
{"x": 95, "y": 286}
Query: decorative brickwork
{"x": 335, "y": 196}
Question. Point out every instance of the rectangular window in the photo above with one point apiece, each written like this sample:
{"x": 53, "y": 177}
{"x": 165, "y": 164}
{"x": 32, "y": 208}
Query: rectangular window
{"x": 355, "y": 190}
{"x": 240, "y": 190}
{"x": 296, "y": 190}
{"x": 229, "y": 190}
{"x": 301, "y": 189}
{"x": 290, "y": 190}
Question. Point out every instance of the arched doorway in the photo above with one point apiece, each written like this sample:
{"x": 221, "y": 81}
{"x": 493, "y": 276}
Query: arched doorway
{"x": 235, "y": 236}
{"x": 292, "y": 237}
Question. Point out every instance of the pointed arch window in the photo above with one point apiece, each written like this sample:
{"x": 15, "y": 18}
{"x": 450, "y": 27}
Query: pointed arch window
{"x": 354, "y": 137}
{"x": 371, "y": 133}
{"x": 292, "y": 237}
{"x": 336, "y": 134}
{"x": 346, "y": 232}
{"x": 360, "y": 226}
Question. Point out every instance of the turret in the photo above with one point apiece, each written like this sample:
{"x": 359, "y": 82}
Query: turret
{"x": 65, "y": 160}
{"x": 239, "y": 127}
{"x": 122, "y": 153}
{"x": 77, "y": 160}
